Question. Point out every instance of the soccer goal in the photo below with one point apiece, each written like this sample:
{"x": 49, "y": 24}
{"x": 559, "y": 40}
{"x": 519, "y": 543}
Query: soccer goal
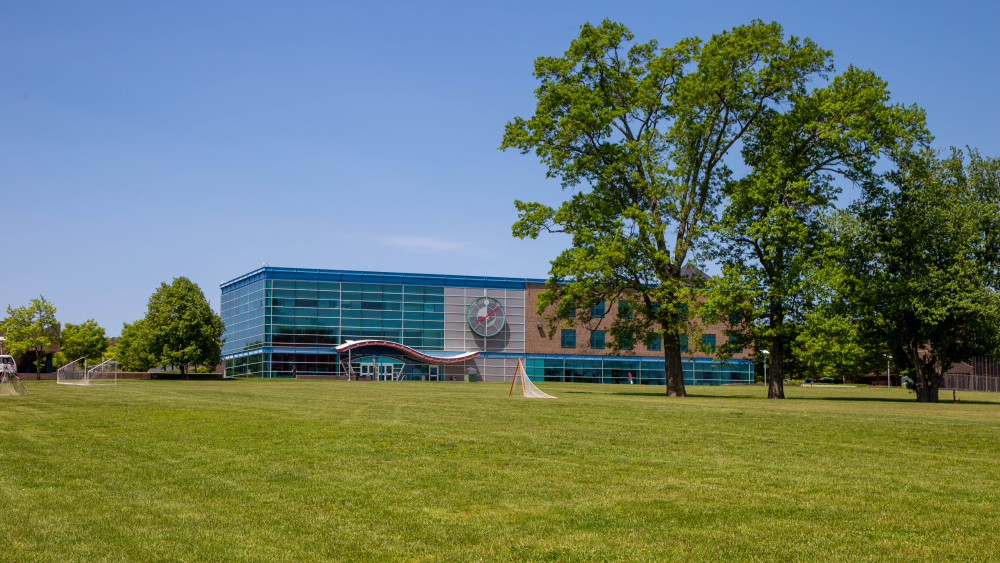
{"x": 10, "y": 383}
{"x": 77, "y": 373}
{"x": 528, "y": 388}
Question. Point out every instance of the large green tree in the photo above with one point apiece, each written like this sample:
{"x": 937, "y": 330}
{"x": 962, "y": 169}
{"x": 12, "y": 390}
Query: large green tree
{"x": 646, "y": 131}
{"x": 773, "y": 232}
{"x": 32, "y": 328}
{"x": 925, "y": 262}
{"x": 84, "y": 340}
{"x": 131, "y": 348}
{"x": 180, "y": 328}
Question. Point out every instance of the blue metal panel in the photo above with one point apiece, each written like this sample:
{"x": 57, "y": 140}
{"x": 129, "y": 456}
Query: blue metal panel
{"x": 393, "y": 278}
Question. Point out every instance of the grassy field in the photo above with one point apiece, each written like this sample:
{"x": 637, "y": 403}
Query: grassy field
{"x": 349, "y": 471}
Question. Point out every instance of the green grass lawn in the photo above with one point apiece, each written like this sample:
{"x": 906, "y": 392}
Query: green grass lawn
{"x": 409, "y": 471}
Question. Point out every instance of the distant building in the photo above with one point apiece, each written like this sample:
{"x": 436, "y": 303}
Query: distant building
{"x": 282, "y": 322}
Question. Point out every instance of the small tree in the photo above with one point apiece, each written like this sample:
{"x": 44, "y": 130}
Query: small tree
{"x": 85, "y": 340}
{"x": 926, "y": 264}
{"x": 180, "y": 328}
{"x": 32, "y": 328}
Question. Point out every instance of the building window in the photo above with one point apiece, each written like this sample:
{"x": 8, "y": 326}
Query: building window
{"x": 684, "y": 343}
{"x": 709, "y": 317}
{"x": 597, "y": 339}
{"x": 568, "y": 338}
{"x": 655, "y": 342}
{"x": 735, "y": 319}
{"x": 682, "y": 311}
{"x": 597, "y": 311}
{"x": 735, "y": 344}
{"x": 708, "y": 342}
{"x": 625, "y": 309}
{"x": 572, "y": 309}
{"x": 626, "y": 341}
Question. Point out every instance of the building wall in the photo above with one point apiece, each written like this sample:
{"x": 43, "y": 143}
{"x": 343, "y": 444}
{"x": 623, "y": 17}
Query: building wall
{"x": 458, "y": 335}
{"x": 538, "y": 342}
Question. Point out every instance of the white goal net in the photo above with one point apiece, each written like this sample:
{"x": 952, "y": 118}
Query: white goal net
{"x": 10, "y": 383}
{"x": 528, "y": 388}
{"x": 73, "y": 373}
{"x": 77, "y": 373}
{"x": 104, "y": 373}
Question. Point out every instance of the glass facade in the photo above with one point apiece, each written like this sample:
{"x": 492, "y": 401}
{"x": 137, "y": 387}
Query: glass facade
{"x": 310, "y": 313}
{"x": 279, "y": 325}
{"x": 319, "y": 315}
{"x": 645, "y": 371}
{"x": 243, "y": 314}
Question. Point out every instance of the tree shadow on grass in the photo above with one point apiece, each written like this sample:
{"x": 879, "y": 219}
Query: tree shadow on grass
{"x": 892, "y": 400}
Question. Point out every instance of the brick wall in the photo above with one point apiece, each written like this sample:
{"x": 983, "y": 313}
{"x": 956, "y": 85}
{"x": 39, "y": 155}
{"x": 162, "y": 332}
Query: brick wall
{"x": 537, "y": 341}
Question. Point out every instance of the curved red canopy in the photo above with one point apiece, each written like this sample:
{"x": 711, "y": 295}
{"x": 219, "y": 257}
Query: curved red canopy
{"x": 407, "y": 351}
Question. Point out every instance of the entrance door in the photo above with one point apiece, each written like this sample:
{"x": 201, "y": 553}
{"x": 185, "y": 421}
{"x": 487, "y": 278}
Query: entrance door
{"x": 433, "y": 373}
{"x": 366, "y": 370}
{"x": 385, "y": 372}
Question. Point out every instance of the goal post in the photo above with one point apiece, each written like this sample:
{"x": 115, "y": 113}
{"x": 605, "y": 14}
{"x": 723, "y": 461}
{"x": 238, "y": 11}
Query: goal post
{"x": 73, "y": 373}
{"x": 78, "y": 373}
{"x": 10, "y": 383}
{"x": 104, "y": 373}
{"x": 528, "y": 389}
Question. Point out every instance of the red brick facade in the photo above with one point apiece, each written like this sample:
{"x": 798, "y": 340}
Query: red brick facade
{"x": 537, "y": 341}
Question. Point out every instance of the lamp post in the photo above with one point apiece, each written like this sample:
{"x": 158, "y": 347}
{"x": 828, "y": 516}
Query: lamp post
{"x": 765, "y": 352}
{"x": 2, "y": 340}
{"x": 888, "y": 380}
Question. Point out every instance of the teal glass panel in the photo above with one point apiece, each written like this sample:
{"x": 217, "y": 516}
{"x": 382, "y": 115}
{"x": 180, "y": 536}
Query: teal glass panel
{"x": 684, "y": 343}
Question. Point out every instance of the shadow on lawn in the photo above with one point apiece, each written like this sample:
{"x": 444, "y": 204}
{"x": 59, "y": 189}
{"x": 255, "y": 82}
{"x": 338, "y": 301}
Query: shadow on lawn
{"x": 912, "y": 399}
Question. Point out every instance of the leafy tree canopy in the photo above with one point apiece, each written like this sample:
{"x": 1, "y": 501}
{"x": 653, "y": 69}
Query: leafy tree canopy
{"x": 84, "y": 340}
{"x": 773, "y": 234}
{"x": 181, "y": 328}
{"x": 646, "y": 130}
{"x": 31, "y": 328}
{"x": 925, "y": 263}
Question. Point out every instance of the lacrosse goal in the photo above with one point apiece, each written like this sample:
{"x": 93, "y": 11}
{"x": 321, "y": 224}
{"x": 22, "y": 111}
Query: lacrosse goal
{"x": 528, "y": 388}
{"x": 77, "y": 373}
{"x": 10, "y": 383}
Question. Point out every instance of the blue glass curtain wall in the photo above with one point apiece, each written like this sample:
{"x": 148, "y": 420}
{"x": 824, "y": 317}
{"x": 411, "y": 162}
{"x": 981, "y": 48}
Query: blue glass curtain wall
{"x": 617, "y": 370}
{"x": 243, "y": 315}
{"x": 312, "y": 313}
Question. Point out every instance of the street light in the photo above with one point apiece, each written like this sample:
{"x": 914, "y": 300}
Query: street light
{"x": 765, "y": 366}
{"x": 888, "y": 380}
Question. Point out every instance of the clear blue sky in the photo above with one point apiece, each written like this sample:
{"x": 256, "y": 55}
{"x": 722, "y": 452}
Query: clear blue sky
{"x": 142, "y": 141}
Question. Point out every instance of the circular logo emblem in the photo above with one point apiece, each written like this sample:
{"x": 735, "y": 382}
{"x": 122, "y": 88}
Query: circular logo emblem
{"x": 486, "y": 316}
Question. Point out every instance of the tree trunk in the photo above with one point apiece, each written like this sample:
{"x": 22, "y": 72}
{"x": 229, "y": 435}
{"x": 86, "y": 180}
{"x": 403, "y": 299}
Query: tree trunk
{"x": 927, "y": 391}
{"x": 776, "y": 380}
{"x": 672, "y": 367}
{"x": 184, "y": 371}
